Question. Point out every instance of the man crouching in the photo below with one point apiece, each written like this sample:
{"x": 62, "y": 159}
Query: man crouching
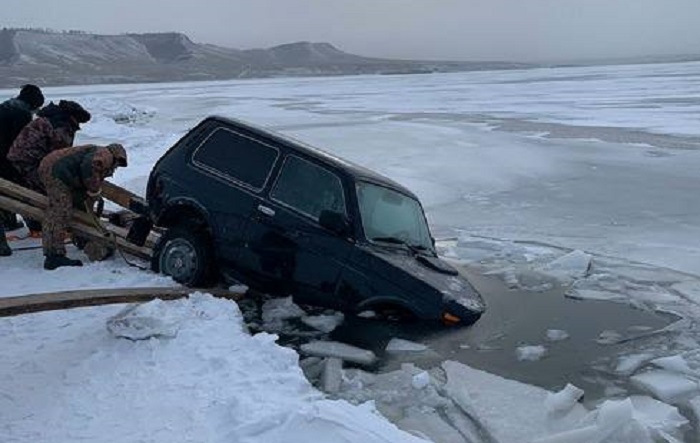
{"x": 73, "y": 177}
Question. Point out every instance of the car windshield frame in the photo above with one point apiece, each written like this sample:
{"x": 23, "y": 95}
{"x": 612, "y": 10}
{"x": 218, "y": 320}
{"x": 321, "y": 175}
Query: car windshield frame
{"x": 420, "y": 238}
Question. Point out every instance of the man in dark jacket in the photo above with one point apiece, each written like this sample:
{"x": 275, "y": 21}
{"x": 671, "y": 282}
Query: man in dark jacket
{"x": 15, "y": 114}
{"x": 73, "y": 177}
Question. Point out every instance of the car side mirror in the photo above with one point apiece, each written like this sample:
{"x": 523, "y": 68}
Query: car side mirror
{"x": 335, "y": 222}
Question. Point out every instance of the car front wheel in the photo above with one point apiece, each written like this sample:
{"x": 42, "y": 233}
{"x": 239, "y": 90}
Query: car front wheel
{"x": 185, "y": 254}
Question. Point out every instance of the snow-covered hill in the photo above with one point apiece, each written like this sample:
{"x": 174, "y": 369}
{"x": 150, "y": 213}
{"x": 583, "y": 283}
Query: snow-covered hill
{"x": 50, "y": 58}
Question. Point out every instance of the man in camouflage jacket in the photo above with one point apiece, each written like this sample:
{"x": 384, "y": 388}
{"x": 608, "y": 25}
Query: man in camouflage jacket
{"x": 73, "y": 177}
{"x": 54, "y": 129}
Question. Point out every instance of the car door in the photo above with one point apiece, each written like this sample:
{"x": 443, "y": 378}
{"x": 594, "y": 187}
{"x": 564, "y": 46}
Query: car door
{"x": 235, "y": 168}
{"x": 287, "y": 247}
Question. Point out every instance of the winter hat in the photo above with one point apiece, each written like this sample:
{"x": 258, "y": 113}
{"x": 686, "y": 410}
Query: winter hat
{"x": 119, "y": 153}
{"x": 75, "y": 110}
{"x": 31, "y": 95}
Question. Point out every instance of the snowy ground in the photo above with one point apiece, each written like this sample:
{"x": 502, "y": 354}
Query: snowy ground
{"x": 582, "y": 179}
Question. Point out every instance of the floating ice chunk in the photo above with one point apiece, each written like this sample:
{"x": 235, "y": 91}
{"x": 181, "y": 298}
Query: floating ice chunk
{"x": 339, "y": 350}
{"x": 332, "y": 375}
{"x": 277, "y": 310}
{"x": 666, "y": 386}
{"x": 324, "y": 323}
{"x": 557, "y": 335}
{"x": 563, "y": 401}
{"x": 594, "y": 294}
{"x": 530, "y": 353}
{"x": 674, "y": 363}
{"x": 571, "y": 266}
{"x": 420, "y": 380}
{"x": 239, "y": 288}
{"x": 147, "y": 320}
{"x": 401, "y": 345}
{"x": 609, "y": 337}
{"x": 367, "y": 314}
{"x": 628, "y": 364}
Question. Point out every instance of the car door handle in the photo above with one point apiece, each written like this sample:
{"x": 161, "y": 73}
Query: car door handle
{"x": 267, "y": 211}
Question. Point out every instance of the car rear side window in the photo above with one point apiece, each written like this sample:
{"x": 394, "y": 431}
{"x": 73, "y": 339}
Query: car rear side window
{"x": 308, "y": 188}
{"x": 236, "y": 157}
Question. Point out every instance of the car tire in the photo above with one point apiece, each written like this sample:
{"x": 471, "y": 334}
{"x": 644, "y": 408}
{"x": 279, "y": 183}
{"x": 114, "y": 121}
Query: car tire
{"x": 184, "y": 253}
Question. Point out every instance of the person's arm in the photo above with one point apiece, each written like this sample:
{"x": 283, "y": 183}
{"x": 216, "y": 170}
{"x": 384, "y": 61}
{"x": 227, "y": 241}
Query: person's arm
{"x": 94, "y": 169}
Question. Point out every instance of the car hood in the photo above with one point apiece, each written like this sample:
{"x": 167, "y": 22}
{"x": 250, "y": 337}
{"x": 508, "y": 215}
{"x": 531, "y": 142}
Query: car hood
{"x": 430, "y": 273}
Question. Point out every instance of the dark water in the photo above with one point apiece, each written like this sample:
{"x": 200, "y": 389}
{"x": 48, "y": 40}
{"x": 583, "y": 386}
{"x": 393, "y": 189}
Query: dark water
{"x": 517, "y": 318}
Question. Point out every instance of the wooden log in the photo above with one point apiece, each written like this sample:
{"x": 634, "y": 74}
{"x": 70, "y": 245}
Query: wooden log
{"x": 80, "y": 223}
{"x": 36, "y": 200}
{"x": 52, "y": 301}
{"x": 122, "y": 197}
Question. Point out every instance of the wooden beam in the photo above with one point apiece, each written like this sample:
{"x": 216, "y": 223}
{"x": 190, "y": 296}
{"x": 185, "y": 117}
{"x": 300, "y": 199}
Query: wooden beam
{"x": 36, "y": 200}
{"x": 80, "y": 223}
{"x": 122, "y": 197}
{"x": 53, "y": 301}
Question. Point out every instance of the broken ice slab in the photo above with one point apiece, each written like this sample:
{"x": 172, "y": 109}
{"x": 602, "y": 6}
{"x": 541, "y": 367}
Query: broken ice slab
{"x": 324, "y": 323}
{"x": 420, "y": 380}
{"x": 332, "y": 375}
{"x": 339, "y": 350}
{"x": 401, "y": 345}
{"x": 628, "y": 364}
{"x": 571, "y": 266}
{"x": 666, "y": 386}
{"x": 563, "y": 401}
{"x": 143, "y": 321}
{"x": 637, "y": 419}
{"x": 277, "y": 310}
{"x": 674, "y": 363}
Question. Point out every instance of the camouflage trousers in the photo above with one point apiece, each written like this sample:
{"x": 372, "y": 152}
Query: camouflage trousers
{"x": 57, "y": 216}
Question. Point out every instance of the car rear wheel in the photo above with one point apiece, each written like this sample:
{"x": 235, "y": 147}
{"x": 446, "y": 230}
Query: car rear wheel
{"x": 184, "y": 253}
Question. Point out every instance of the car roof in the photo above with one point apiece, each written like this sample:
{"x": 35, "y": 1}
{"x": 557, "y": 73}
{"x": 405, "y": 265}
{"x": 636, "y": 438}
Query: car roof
{"x": 360, "y": 173}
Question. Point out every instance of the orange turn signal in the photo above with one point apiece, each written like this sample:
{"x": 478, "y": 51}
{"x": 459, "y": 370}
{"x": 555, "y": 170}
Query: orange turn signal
{"x": 450, "y": 319}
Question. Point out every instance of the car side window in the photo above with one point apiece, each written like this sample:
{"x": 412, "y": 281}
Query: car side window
{"x": 308, "y": 188}
{"x": 236, "y": 157}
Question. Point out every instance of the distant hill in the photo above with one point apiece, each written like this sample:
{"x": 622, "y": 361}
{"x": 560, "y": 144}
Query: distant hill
{"x": 60, "y": 58}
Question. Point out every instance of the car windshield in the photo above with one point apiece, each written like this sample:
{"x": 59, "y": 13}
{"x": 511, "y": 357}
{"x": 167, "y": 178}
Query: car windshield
{"x": 391, "y": 217}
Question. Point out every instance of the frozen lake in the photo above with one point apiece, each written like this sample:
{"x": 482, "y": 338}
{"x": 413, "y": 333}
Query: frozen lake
{"x": 603, "y": 159}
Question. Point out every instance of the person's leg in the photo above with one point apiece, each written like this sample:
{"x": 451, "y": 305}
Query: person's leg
{"x": 5, "y": 250}
{"x": 56, "y": 220}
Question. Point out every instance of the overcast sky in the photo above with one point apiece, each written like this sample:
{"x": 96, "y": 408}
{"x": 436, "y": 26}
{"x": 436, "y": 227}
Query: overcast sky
{"x": 522, "y": 30}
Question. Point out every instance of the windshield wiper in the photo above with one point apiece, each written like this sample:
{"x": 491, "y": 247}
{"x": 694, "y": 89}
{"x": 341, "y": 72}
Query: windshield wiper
{"x": 416, "y": 249}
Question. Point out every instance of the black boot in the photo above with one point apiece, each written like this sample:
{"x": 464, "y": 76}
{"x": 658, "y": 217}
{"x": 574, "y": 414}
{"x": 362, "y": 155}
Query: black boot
{"x": 5, "y": 250}
{"x": 56, "y": 261}
{"x": 10, "y": 221}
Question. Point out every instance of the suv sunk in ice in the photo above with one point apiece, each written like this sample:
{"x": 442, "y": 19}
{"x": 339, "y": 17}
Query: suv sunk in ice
{"x": 246, "y": 203}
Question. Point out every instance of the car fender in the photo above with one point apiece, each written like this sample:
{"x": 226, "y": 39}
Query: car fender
{"x": 183, "y": 207}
